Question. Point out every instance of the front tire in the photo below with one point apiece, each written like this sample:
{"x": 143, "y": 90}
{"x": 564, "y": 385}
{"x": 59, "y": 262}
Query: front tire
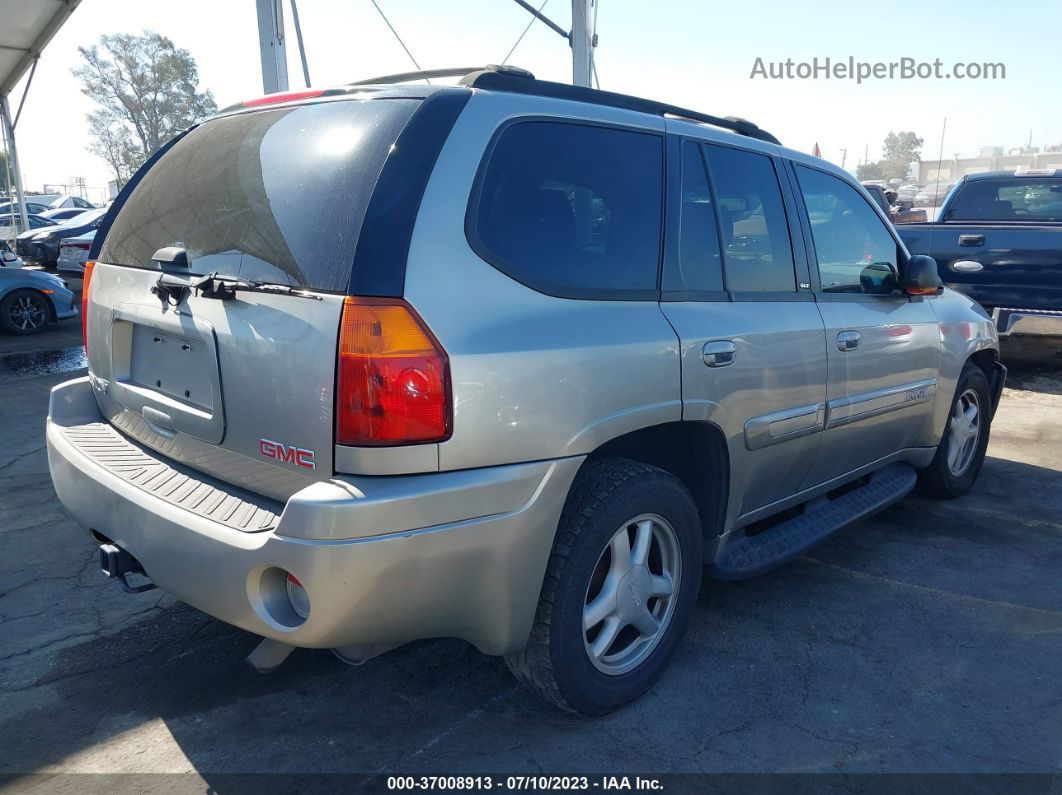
{"x": 619, "y": 589}
{"x": 961, "y": 451}
{"x": 24, "y": 312}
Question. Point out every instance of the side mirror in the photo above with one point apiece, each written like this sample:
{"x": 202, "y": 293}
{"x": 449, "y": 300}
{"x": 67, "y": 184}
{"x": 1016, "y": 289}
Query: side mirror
{"x": 920, "y": 276}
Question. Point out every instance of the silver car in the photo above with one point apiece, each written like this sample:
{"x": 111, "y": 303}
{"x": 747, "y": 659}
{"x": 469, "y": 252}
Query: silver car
{"x": 508, "y": 361}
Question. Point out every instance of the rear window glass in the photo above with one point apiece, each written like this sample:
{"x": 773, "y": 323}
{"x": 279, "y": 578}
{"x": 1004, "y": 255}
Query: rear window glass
{"x": 275, "y": 196}
{"x": 1028, "y": 199}
{"x": 573, "y": 210}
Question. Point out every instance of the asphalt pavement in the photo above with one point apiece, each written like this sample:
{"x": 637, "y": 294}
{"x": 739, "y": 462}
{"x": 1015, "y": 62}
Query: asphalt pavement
{"x": 925, "y": 639}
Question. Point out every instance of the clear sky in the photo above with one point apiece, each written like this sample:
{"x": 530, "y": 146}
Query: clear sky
{"x": 693, "y": 53}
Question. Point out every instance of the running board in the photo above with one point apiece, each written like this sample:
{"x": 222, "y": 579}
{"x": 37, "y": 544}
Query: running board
{"x": 742, "y": 555}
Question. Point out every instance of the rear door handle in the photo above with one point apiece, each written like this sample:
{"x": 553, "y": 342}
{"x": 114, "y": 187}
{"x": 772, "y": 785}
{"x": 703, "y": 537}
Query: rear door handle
{"x": 971, "y": 240}
{"x": 967, "y": 266}
{"x": 719, "y": 353}
{"x": 848, "y": 341}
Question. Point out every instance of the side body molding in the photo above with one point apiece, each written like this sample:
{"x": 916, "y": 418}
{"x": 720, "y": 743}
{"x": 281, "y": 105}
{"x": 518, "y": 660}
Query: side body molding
{"x": 842, "y": 411}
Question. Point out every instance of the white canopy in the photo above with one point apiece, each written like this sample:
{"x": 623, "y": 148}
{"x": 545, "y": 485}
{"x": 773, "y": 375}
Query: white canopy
{"x": 26, "y": 27}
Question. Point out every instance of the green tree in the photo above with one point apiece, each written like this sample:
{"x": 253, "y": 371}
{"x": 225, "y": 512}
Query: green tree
{"x": 867, "y": 171}
{"x": 900, "y": 150}
{"x": 147, "y": 92}
{"x": 5, "y": 186}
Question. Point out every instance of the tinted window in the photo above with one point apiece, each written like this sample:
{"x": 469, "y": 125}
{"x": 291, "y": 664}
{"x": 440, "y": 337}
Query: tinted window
{"x": 1026, "y": 199}
{"x": 573, "y": 210}
{"x": 853, "y": 247}
{"x": 276, "y": 195}
{"x": 699, "y": 255}
{"x": 757, "y": 253}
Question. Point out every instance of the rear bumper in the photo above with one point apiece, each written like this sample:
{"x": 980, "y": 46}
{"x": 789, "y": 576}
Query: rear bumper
{"x": 69, "y": 265}
{"x": 477, "y": 578}
{"x": 1028, "y": 322}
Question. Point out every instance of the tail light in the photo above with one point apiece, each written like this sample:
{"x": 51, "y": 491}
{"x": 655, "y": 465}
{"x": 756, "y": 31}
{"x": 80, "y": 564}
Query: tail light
{"x": 393, "y": 377}
{"x": 87, "y": 276}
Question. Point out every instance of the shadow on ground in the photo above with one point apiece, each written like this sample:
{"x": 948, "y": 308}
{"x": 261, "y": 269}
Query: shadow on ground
{"x": 927, "y": 638}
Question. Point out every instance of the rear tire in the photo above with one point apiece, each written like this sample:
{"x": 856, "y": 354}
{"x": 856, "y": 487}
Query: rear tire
{"x": 961, "y": 451}
{"x": 24, "y": 312}
{"x": 607, "y": 624}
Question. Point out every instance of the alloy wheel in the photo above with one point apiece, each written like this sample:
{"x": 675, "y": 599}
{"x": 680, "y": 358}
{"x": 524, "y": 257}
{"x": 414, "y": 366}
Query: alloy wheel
{"x": 632, "y": 594}
{"x": 27, "y": 313}
{"x": 965, "y": 432}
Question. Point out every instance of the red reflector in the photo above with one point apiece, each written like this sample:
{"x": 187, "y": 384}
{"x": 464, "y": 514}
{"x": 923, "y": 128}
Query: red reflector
{"x": 87, "y": 280}
{"x": 287, "y": 96}
{"x": 393, "y": 377}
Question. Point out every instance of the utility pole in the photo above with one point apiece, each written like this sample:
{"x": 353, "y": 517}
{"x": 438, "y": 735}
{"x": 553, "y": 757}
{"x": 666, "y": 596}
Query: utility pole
{"x": 584, "y": 14}
{"x": 271, "y": 44}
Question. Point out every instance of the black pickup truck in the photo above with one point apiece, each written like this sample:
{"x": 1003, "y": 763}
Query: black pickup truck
{"x": 998, "y": 238}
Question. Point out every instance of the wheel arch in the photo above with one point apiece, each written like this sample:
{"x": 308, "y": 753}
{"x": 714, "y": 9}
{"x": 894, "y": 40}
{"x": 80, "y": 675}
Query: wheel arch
{"x": 695, "y": 452}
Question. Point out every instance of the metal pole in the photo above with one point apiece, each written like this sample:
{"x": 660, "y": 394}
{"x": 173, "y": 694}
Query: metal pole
{"x": 271, "y": 44}
{"x": 12, "y": 153}
{"x": 583, "y": 12}
{"x": 298, "y": 38}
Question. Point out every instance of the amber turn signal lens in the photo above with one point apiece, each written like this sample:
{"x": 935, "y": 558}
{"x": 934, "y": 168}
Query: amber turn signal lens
{"x": 392, "y": 377}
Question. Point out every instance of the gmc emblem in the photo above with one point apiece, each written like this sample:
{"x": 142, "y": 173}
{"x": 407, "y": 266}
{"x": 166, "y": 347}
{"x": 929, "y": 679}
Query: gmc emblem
{"x": 289, "y": 455}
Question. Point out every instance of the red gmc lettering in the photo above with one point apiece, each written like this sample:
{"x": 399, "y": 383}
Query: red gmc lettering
{"x": 289, "y": 455}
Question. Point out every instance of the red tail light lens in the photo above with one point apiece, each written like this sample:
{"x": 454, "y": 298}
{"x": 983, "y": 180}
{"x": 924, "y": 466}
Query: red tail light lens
{"x": 87, "y": 277}
{"x": 393, "y": 377}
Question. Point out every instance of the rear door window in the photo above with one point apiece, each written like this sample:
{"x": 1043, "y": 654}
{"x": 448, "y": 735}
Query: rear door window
{"x": 700, "y": 257}
{"x": 572, "y": 210}
{"x": 757, "y": 251}
{"x": 854, "y": 249}
{"x": 275, "y": 195}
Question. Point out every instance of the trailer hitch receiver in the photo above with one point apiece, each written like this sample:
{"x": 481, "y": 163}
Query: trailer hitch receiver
{"x": 117, "y": 563}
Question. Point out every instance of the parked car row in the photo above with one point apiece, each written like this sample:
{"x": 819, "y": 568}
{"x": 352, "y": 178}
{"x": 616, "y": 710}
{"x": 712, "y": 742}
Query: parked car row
{"x": 42, "y": 245}
{"x": 40, "y": 208}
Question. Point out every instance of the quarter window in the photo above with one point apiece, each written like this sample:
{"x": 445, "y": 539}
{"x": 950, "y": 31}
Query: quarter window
{"x": 573, "y": 210}
{"x": 853, "y": 247}
{"x": 757, "y": 252}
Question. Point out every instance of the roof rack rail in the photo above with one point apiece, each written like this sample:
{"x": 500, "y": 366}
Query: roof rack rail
{"x": 458, "y": 71}
{"x": 504, "y": 81}
{"x": 520, "y": 81}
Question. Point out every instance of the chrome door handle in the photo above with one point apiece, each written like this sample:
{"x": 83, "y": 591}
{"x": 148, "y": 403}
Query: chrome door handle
{"x": 719, "y": 353}
{"x": 848, "y": 341}
{"x": 967, "y": 266}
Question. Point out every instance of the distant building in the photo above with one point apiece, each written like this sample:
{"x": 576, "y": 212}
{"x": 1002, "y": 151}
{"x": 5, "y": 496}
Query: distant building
{"x": 954, "y": 169}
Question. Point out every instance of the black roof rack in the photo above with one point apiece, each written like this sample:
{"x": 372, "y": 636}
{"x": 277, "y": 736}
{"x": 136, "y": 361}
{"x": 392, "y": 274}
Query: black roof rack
{"x": 520, "y": 81}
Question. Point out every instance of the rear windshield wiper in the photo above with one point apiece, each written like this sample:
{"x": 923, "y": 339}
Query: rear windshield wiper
{"x": 225, "y": 288}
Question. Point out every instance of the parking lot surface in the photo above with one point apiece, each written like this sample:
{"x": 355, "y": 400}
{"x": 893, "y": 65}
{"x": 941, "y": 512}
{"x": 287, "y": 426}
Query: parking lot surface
{"x": 928, "y": 638}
